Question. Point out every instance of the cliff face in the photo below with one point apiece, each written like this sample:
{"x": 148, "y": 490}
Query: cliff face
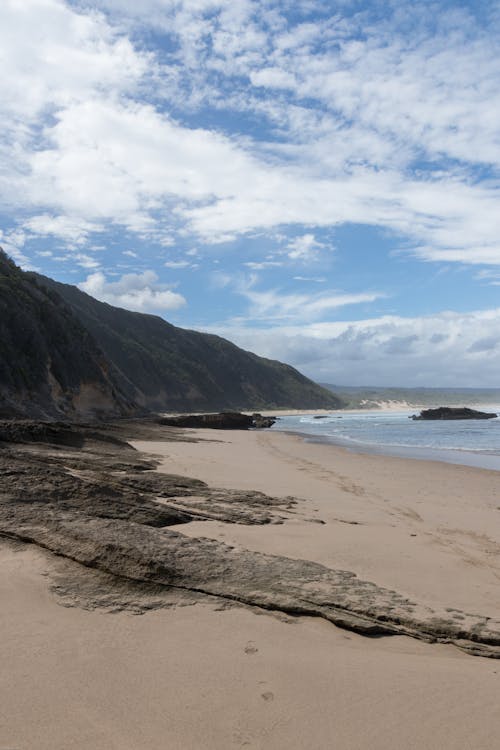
{"x": 49, "y": 363}
{"x": 163, "y": 367}
{"x": 64, "y": 353}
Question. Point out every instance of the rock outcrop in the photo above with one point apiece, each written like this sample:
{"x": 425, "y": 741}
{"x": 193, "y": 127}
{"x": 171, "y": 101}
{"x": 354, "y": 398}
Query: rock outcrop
{"x": 104, "y": 506}
{"x": 226, "y": 420}
{"x": 453, "y": 412}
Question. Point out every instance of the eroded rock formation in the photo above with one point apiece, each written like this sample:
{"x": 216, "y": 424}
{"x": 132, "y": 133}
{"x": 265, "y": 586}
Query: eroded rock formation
{"x": 103, "y": 505}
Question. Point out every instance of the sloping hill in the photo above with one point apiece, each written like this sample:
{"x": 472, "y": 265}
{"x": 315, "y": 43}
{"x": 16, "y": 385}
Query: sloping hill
{"x": 49, "y": 363}
{"x": 163, "y": 367}
{"x": 63, "y": 353}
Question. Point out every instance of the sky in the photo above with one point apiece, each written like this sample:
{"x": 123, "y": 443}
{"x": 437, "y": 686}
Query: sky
{"x": 316, "y": 181}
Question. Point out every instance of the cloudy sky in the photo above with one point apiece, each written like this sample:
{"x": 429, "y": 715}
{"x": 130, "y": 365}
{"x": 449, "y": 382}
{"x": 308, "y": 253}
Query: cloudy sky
{"x": 316, "y": 181}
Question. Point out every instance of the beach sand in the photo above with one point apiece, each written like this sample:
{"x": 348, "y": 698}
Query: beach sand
{"x": 427, "y": 529}
{"x": 202, "y": 677}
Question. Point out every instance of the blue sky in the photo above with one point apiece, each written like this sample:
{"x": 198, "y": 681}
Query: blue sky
{"x": 316, "y": 181}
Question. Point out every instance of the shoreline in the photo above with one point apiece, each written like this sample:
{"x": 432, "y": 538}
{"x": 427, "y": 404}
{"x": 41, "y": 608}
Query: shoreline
{"x": 481, "y": 458}
{"x": 460, "y": 457}
{"x": 372, "y": 506}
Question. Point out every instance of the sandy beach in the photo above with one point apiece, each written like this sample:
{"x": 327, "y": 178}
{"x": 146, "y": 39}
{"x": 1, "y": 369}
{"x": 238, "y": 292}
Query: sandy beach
{"x": 428, "y": 529}
{"x": 206, "y": 677}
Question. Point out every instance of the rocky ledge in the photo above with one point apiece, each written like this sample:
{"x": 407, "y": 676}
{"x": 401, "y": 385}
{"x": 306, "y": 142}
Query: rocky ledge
{"x": 453, "y": 412}
{"x": 102, "y": 504}
{"x": 226, "y": 420}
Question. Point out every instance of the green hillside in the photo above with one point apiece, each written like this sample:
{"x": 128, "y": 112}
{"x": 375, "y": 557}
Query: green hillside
{"x": 64, "y": 353}
{"x": 49, "y": 363}
{"x": 163, "y": 367}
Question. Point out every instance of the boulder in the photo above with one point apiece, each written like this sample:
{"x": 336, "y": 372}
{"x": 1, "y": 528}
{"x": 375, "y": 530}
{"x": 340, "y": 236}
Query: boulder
{"x": 262, "y": 422}
{"x": 226, "y": 420}
{"x": 453, "y": 412}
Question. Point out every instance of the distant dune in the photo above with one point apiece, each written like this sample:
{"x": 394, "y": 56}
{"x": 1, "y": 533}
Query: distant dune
{"x": 373, "y": 397}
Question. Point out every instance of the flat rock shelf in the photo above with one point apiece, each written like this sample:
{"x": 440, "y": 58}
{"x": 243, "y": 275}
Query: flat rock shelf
{"x": 104, "y": 505}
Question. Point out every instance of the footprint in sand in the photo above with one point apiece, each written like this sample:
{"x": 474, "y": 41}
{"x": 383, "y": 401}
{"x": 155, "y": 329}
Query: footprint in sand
{"x": 251, "y": 648}
{"x": 241, "y": 739}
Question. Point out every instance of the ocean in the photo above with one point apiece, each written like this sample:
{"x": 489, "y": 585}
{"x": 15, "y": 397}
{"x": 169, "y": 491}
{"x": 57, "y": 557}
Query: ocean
{"x": 467, "y": 442}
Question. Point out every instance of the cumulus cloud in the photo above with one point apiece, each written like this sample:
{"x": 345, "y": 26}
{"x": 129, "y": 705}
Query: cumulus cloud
{"x": 358, "y": 106}
{"x": 446, "y": 349}
{"x": 73, "y": 230}
{"x": 317, "y": 120}
{"x": 140, "y": 292}
{"x": 85, "y": 261}
{"x": 304, "y": 248}
{"x": 272, "y": 78}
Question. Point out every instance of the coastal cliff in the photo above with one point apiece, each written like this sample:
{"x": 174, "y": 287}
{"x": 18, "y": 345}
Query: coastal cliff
{"x": 63, "y": 353}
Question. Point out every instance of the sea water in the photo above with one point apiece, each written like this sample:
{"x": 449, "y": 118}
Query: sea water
{"x": 470, "y": 442}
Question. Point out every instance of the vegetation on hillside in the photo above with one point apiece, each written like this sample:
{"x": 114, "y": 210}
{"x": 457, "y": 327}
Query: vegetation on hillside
{"x": 54, "y": 340}
{"x": 44, "y": 349}
{"x": 164, "y": 367}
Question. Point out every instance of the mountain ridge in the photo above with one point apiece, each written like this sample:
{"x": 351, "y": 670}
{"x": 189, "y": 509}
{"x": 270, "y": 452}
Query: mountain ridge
{"x": 63, "y": 353}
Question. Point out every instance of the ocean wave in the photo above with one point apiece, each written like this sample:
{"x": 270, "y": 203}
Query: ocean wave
{"x": 392, "y": 432}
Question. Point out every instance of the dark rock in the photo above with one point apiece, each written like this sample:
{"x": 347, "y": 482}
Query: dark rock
{"x": 102, "y": 476}
{"x": 453, "y": 412}
{"x": 54, "y": 433}
{"x": 226, "y": 420}
{"x": 222, "y": 421}
{"x": 262, "y": 422}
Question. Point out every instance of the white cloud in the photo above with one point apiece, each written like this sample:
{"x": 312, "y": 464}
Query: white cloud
{"x": 53, "y": 55}
{"x": 178, "y": 264}
{"x": 140, "y": 292}
{"x": 367, "y": 123}
{"x": 315, "y": 279}
{"x": 74, "y": 231}
{"x": 11, "y": 241}
{"x": 445, "y": 349}
{"x": 272, "y": 78}
{"x": 276, "y": 305}
{"x": 489, "y": 276}
{"x": 262, "y": 265}
{"x": 304, "y": 248}
{"x": 85, "y": 261}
